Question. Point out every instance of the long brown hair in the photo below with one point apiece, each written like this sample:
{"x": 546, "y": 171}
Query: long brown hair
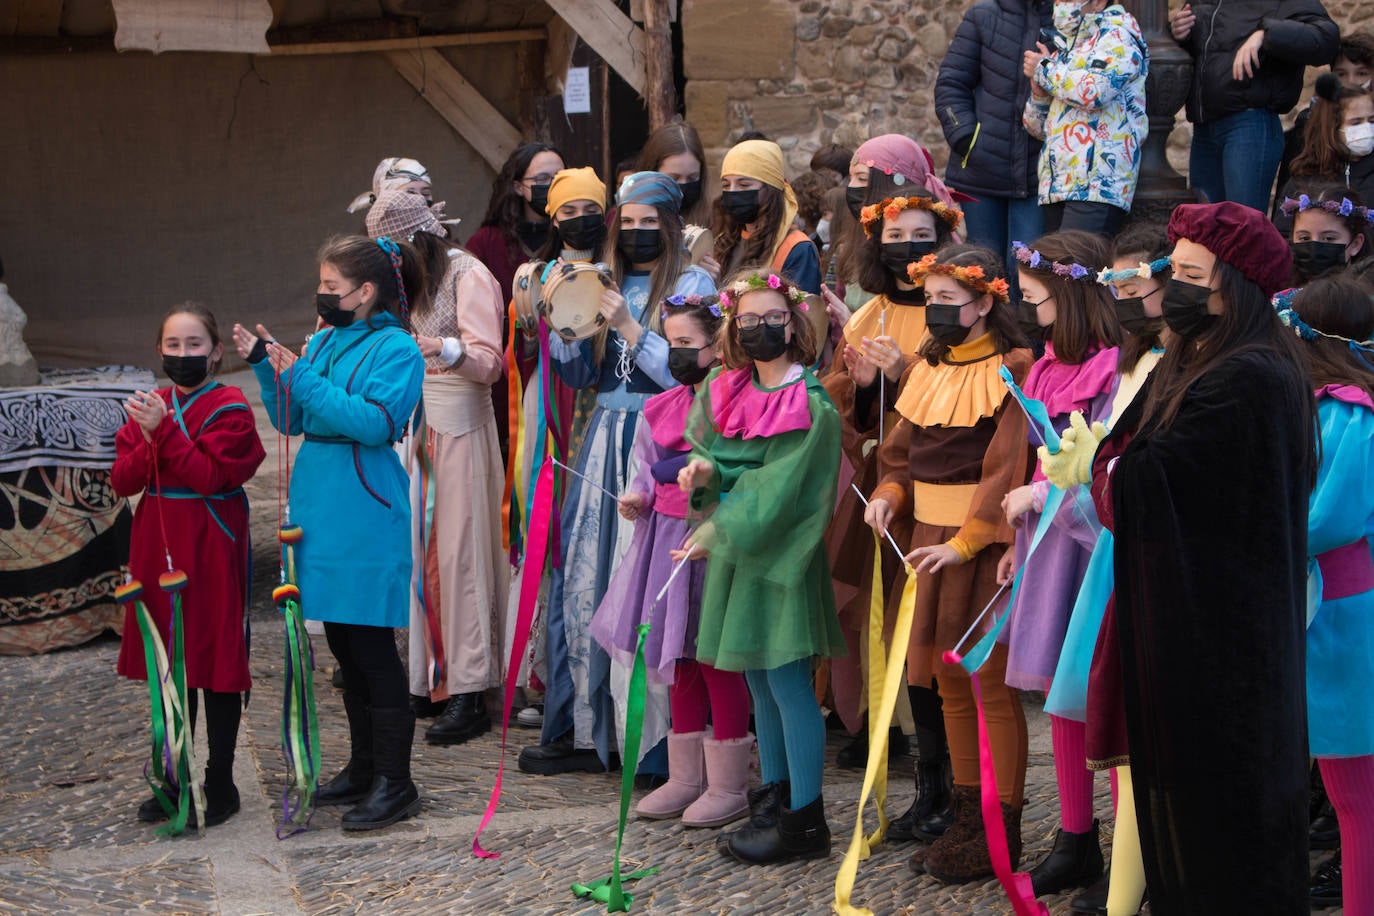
{"x": 1000, "y": 319}
{"x": 666, "y": 271}
{"x": 360, "y": 260}
{"x": 846, "y": 234}
{"x": 1323, "y": 153}
{"x": 733, "y": 251}
{"x": 506, "y": 208}
{"x": 1337, "y": 305}
{"x": 670, "y": 140}
{"x": 1085, "y": 315}
{"x": 1144, "y": 242}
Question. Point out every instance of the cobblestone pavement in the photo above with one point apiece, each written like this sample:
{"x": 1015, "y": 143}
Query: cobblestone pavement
{"x": 73, "y": 747}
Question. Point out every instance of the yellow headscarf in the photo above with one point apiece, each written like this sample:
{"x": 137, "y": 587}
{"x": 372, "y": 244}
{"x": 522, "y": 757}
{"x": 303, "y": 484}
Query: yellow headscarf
{"x": 575, "y": 184}
{"x": 762, "y": 161}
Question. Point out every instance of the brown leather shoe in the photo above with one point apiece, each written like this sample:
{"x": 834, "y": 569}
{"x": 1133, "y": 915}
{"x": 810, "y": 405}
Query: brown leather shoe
{"x": 968, "y": 859}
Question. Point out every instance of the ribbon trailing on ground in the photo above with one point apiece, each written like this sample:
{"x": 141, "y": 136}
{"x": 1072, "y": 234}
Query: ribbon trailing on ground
{"x": 536, "y": 552}
{"x": 609, "y": 890}
{"x": 300, "y": 733}
{"x": 884, "y": 680}
{"x": 170, "y": 770}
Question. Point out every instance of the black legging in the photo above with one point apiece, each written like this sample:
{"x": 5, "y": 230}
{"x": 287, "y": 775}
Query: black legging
{"x": 371, "y": 667}
{"x": 223, "y": 712}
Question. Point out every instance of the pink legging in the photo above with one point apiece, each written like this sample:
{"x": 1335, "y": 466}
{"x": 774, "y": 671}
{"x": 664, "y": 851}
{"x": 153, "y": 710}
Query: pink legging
{"x": 1071, "y": 771}
{"x": 1350, "y": 786}
{"x": 699, "y": 688}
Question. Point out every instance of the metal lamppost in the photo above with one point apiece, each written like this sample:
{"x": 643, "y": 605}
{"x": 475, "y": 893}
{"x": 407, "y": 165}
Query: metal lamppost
{"x": 1160, "y": 188}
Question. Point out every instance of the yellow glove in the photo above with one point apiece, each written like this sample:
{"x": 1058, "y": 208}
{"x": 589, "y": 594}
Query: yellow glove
{"x": 1073, "y": 463}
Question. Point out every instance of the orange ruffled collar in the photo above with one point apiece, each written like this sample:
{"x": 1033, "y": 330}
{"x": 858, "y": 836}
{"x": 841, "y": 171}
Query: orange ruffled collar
{"x": 905, "y": 324}
{"x": 963, "y": 389}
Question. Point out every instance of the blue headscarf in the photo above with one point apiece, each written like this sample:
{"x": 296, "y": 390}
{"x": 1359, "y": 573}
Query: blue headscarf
{"x": 652, "y": 188}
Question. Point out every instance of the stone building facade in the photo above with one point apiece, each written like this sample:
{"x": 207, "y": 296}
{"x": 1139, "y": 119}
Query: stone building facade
{"x": 811, "y": 72}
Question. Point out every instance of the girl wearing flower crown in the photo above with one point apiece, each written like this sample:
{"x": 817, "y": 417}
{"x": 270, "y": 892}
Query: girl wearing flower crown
{"x": 708, "y": 772}
{"x": 952, "y": 402}
{"x": 1077, "y": 373}
{"x": 1330, "y": 227}
{"x": 1333, "y": 318}
{"x": 765, "y": 453}
{"x": 880, "y": 339}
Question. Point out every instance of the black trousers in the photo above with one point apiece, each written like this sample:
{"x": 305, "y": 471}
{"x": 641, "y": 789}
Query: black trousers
{"x": 371, "y": 667}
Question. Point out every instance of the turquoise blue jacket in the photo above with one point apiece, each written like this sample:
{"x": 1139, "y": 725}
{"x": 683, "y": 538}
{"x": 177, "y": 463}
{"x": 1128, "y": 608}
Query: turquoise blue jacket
{"x": 351, "y": 394}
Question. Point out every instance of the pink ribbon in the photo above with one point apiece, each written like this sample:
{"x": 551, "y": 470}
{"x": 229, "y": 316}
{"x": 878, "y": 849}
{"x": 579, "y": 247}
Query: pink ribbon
{"x": 536, "y": 550}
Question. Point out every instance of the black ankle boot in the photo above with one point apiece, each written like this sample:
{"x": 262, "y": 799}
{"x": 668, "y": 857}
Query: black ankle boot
{"x": 1093, "y": 901}
{"x": 465, "y": 717}
{"x": 354, "y": 780}
{"x": 929, "y": 810}
{"x": 393, "y": 796}
{"x": 221, "y": 797}
{"x": 764, "y": 804}
{"x": 151, "y": 811}
{"x": 854, "y": 755}
{"x": 1075, "y": 861}
{"x": 797, "y": 834}
{"x": 1326, "y": 889}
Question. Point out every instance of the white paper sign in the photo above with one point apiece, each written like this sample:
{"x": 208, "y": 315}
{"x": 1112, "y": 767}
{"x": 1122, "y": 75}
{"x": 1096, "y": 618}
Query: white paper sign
{"x": 577, "y": 93}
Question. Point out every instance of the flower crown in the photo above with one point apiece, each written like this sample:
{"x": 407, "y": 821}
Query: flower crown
{"x": 892, "y": 206}
{"x": 1144, "y": 272}
{"x": 1342, "y": 207}
{"x": 971, "y": 276}
{"x": 1283, "y": 305}
{"x": 730, "y": 295}
{"x": 1037, "y": 261}
{"x": 711, "y": 302}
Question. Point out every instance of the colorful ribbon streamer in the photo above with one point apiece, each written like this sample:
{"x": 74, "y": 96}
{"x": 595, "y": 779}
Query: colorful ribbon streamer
{"x": 536, "y": 548}
{"x": 170, "y": 770}
{"x": 426, "y": 584}
{"x": 615, "y": 898}
{"x": 884, "y": 680}
{"x": 300, "y": 732}
{"x": 1035, "y": 410}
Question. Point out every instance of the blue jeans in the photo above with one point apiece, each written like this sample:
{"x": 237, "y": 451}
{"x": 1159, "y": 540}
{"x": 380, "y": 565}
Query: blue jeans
{"x": 996, "y": 222}
{"x": 1236, "y": 157}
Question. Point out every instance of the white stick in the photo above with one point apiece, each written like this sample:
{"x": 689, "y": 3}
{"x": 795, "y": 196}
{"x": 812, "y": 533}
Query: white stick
{"x": 671, "y": 576}
{"x": 887, "y": 534}
{"x": 593, "y": 483}
{"x": 959, "y": 646}
{"x": 882, "y": 386}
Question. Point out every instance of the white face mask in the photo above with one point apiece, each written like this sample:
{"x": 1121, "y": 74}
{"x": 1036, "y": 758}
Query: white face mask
{"x": 1359, "y": 139}
{"x": 823, "y": 231}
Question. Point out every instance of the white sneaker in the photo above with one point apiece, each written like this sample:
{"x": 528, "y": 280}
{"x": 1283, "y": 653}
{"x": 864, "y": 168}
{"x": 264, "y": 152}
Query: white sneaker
{"x": 531, "y": 716}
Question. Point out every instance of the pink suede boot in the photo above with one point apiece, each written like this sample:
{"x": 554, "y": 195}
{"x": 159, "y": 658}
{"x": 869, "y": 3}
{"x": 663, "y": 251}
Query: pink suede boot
{"x": 685, "y": 783}
{"x": 727, "y": 780}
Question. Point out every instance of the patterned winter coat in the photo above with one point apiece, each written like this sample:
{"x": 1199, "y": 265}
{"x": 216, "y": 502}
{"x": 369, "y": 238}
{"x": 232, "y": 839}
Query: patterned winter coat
{"x": 1091, "y": 113}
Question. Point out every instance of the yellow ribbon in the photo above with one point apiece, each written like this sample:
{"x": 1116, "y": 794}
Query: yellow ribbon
{"x": 884, "y": 682}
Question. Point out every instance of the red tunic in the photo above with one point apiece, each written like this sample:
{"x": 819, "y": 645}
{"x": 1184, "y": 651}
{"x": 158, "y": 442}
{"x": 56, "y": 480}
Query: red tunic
{"x": 204, "y": 457}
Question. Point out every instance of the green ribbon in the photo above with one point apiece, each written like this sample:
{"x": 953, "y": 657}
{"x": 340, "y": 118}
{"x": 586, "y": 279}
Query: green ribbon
{"x": 300, "y": 733}
{"x": 609, "y": 890}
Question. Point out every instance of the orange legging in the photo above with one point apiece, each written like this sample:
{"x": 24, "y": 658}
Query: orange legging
{"x": 1006, "y": 725}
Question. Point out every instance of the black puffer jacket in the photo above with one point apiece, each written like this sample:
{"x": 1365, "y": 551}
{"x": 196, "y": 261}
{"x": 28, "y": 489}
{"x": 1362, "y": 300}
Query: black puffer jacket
{"x": 979, "y": 96}
{"x": 1297, "y": 34}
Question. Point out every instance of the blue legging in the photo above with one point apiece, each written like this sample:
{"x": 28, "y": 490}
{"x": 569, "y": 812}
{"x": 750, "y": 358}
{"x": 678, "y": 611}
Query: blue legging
{"x": 790, "y": 729}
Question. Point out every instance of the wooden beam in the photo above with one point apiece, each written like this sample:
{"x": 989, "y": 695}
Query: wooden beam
{"x": 661, "y": 91}
{"x": 30, "y": 17}
{"x": 419, "y": 42}
{"x": 459, "y": 103}
{"x": 611, "y": 34}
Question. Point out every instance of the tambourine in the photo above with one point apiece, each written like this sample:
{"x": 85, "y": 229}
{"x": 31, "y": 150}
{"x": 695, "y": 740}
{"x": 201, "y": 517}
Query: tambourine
{"x": 526, "y": 290}
{"x": 571, "y": 302}
{"x": 699, "y": 243}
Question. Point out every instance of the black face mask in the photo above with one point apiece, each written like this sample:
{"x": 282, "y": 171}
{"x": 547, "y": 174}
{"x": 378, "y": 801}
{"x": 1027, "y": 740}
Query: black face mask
{"x": 897, "y": 255}
{"x": 327, "y": 306}
{"x": 1131, "y": 313}
{"x": 583, "y": 233}
{"x": 640, "y": 246}
{"x": 943, "y": 323}
{"x": 683, "y": 365}
{"x": 743, "y": 206}
{"x": 854, "y": 198}
{"x": 1026, "y": 318}
{"x": 764, "y": 343}
{"x": 1313, "y": 259}
{"x": 1185, "y": 308}
{"x": 186, "y": 371}
{"x": 915, "y": 296}
{"x": 539, "y": 197}
{"x": 691, "y": 193}
{"x": 533, "y": 233}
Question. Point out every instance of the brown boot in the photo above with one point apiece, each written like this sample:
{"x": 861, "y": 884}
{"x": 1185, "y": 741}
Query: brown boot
{"x": 968, "y": 859}
{"x": 966, "y": 820}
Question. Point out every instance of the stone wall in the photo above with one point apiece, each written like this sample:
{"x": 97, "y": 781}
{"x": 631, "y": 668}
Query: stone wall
{"x": 811, "y": 72}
